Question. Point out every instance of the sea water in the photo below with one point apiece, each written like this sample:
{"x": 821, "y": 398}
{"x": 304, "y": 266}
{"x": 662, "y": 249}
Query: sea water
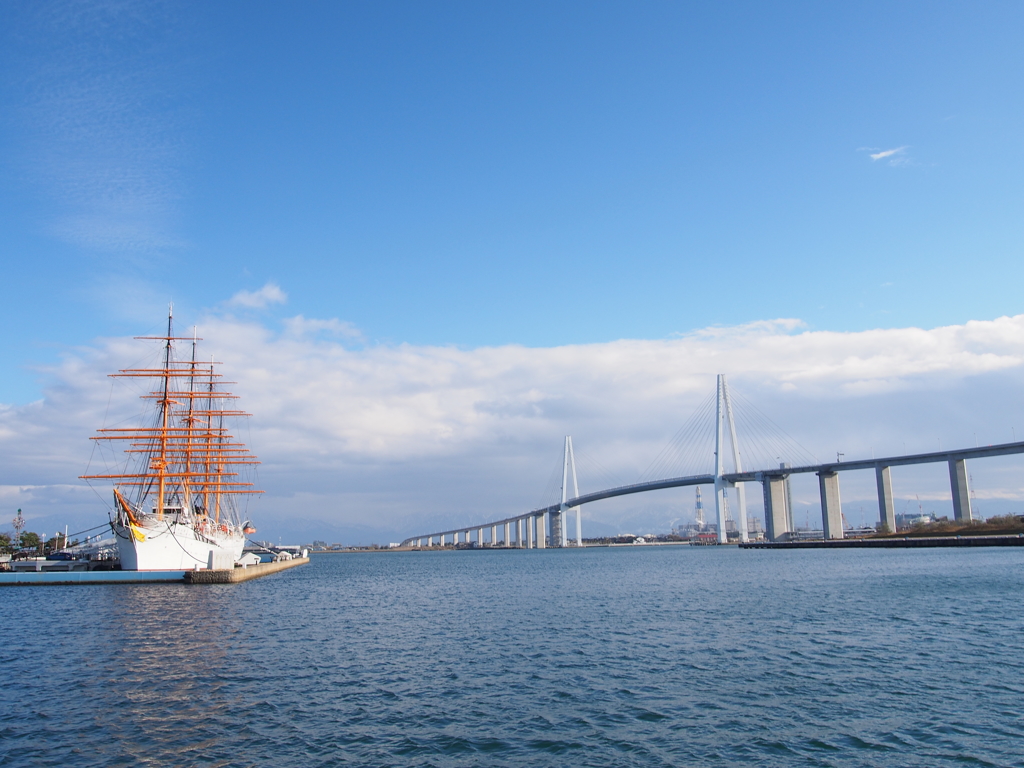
{"x": 631, "y": 656}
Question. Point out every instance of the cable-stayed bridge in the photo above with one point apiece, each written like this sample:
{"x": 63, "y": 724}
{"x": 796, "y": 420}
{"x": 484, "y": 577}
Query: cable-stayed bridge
{"x": 711, "y": 435}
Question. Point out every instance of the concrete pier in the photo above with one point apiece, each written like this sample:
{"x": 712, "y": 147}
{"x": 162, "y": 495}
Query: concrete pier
{"x": 225, "y": 576}
{"x": 961, "y": 493}
{"x": 68, "y": 578}
{"x": 558, "y": 527}
{"x": 886, "y": 509}
{"x": 776, "y": 517}
{"x": 542, "y": 530}
{"x": 831, "y": 508}
{"x": 235, "y": 575}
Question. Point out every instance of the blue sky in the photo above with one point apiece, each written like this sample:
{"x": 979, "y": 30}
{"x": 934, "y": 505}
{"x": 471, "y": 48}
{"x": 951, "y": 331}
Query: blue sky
{"x": 401, "y": 199}
{"x": 477, "y": 174}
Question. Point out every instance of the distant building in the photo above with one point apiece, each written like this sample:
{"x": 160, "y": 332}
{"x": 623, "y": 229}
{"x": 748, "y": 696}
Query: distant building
{"x": 909, "y": 521}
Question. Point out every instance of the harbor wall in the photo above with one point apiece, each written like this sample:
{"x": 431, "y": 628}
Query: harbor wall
{"x": 235, "y": 575}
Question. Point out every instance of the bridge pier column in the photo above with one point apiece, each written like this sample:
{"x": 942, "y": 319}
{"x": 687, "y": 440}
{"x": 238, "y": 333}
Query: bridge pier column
{"x": 831, "y": 508}
{"x": 557, "y": 526}
{"x": 494, "y": 535}
{"x": 886, "y": 509}
{"x": 776, "y": 519}
{"x": 530, "y": 530}
{"x": 507, "y": 541}
{"x": 542, "y": 530}
{"x": 961, "y": 493}
{"x": 480, "y": 538}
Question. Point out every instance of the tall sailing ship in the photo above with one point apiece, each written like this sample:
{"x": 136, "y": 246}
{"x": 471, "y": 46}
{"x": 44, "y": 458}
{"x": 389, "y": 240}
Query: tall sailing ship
{"x": 177, "y": 499}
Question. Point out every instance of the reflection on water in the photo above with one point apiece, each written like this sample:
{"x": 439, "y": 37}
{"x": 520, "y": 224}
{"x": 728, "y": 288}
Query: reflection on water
{"x": 659, "y": 656}
{"x": 174, "y": 642}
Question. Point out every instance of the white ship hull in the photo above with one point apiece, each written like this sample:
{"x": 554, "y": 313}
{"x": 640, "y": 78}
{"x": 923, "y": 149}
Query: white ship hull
{"x": 168, "y": 545}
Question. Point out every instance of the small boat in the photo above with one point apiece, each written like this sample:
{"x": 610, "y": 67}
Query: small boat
{"x": 179, "y": 497}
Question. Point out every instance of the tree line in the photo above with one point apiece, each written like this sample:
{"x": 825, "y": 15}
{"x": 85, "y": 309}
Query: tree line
{"x": 33, "y": 543}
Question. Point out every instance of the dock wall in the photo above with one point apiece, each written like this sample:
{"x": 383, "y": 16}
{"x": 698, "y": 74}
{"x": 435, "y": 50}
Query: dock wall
{"x": 235, "y": 575}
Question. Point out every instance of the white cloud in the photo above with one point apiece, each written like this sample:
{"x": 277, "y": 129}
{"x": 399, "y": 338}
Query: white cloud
{"x": 270, "y": 293}
{"x": 896, "y": 156}
{"x": 300, "y": 326}
{"x": 395, "y": 439}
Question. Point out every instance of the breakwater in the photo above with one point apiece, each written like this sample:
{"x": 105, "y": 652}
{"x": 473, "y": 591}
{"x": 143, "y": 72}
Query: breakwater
{"x": 235, "y": 575}
{"x": 905, "y": 542}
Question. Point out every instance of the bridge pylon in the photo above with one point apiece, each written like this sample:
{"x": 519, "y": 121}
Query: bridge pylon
{"x": 724, "y": 417}
{"x": 559, "y": 522}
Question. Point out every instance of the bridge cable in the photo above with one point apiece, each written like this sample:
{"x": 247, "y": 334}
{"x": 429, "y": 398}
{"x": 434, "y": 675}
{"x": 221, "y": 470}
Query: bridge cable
{"x": 683, "y": 450}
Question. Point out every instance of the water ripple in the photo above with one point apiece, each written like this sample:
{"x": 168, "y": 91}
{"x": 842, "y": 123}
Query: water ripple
{"x": 625, "y": 657}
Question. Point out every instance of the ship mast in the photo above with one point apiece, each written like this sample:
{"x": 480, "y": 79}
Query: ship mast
{"x": 190, "y": 428}
{"x": 160, "y": 462}
{"x": 210, "y": 461}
